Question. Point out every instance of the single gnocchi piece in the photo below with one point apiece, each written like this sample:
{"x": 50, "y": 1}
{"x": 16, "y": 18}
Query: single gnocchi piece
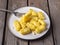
{"x": 42, "y": 22}
{"x": 25, "y": 31}
{"x": 31, "y": 26}
{"x": 34, "y": 13}
{"x": 35, "y": 23}
{"x": 23, "y": 25}
{"x": 35, "y": 18}
{"x": 29, "y": 13}
{"x": 26, "y": 17}
{"x": 40, "y": 29}
{"x": 17, "y": 25}
{"x": 41, "y": 15}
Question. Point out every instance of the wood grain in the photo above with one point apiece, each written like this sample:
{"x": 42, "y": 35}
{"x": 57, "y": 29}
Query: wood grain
{"x": 10, "y": 39}
{"x": 47, "y": 39}
{"x": 55, "y": 16}
{"x": 2, "y": 19}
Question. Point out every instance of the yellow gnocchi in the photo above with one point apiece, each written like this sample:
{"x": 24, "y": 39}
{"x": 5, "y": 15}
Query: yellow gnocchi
{"x": 25, "y": 31}
{"x": 41, "y": 15}
{"x": 31, "y": 21}
{"x": 40, "y": 29}
{"x": 17, "y": 25}
{"x": 35, "y": 18}
{"x": 31, "y": 26}
{"x": 34, "y": 13}
{"x": 35, "y": 23}
{"x": 42, "y": 22}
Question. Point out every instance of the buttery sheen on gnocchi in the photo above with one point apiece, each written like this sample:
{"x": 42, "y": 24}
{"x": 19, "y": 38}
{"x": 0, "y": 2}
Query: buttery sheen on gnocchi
{"x": 30, "y": 22}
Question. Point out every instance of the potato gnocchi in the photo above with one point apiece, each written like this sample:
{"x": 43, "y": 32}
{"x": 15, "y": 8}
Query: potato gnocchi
{"x": 30, "y": 22}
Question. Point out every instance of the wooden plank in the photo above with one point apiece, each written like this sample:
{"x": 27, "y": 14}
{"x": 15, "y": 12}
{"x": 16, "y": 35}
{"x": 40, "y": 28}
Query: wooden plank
{"x": 47, "y": 39}
{"x": 55, "y": 16}
{"x": 2, "y": 19}
{"x": 9, "y": 38}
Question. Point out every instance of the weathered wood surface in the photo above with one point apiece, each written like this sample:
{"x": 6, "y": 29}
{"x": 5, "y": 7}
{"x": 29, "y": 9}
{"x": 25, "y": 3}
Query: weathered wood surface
{"x": 55, "y": 16}
{"x": 2, "y": 19}
{"x": 51, "y": 7}
{"x": 48, "y": 40}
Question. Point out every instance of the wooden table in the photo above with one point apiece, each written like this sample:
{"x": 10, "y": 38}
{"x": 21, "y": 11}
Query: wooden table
{"x": 52, "y": 7}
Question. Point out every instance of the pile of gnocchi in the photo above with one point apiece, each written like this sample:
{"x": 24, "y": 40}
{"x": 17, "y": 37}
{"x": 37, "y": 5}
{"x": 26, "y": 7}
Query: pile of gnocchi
{"x": 30, "y": 22}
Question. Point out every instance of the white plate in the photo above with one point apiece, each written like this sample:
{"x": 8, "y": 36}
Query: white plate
{"x": 29, "y": 36}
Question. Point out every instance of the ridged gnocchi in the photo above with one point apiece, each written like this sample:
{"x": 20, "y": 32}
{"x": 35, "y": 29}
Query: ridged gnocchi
{"x": 30, "y": 22}
{"x": 39, "y": 29}
{"x": 17, "y": 25}
{"x": 41, "y": 15}
{"x": 25, "y": 31}
{"x": 31, "y": 26}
